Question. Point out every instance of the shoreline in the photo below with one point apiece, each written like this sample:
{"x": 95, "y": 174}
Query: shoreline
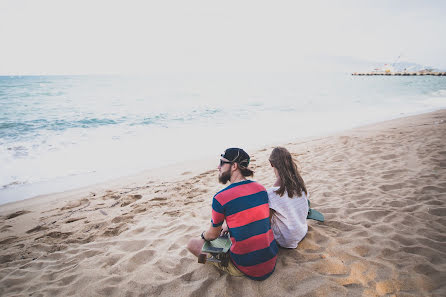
{"x": 104, "y": 181}
{"x": 178, "y": 169}
{"x": 380, "y": 187}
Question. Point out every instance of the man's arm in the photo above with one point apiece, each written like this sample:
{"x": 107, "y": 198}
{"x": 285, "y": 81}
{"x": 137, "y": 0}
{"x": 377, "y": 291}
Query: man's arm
{"x": 212, "y": 233}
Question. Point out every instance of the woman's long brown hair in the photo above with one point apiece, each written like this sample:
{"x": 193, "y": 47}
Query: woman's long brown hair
{"x": 290, "y": 179}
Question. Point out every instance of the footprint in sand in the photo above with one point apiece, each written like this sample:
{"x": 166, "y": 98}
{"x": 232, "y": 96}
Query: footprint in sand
{"x": 8, "y": 239}
{"x": 37, "y": 229}
{"x": 427, "y": 270}
{"x": 397, "y": 204}
{"x": 431, "y": 255}
{"x": 371, "y": 215}
{"x": 397, "y": 186}
{"x": 435, "y": 202}
{"x": 124, "y": 218}
{"x": 389, "y": 157}
{"x": 403, "y": 240}
{"x": 391, "y": 174}
{"x": 441, "y": 212}
{"x": 139, "y": 209}
{"x": 130, "y": 199}
{"x": 432, "y": 189}
{"x": 158, "y": 201}
{"x": 115, "y": 231}
{"x": 138, "y": 230}
{"x": 362, "y": 250}
{"x": 16, "y": 214}
{"x": 5, "y": 228}
{"x": 111, "y": 260}
{"x": 59, "y": 235}
{"x": 7, "y": 258}
{"x": 173, "y": 213}
{"x": 74, "y": 220}
{"x": 111, "y": 196}
{"x": 339, "y": 226}
{"x": 205, "y": 174}
{"x": 74, "y": 204}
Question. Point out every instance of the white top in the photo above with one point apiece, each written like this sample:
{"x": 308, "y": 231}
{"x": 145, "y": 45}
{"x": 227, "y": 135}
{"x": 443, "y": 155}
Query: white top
{"x": 289, "y": 222}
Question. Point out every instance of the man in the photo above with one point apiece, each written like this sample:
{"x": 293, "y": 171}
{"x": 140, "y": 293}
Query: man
{"x": 244, "y": 207}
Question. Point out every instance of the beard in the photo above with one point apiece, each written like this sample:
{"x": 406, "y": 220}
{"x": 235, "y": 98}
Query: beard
{"x": 224, "y": 177}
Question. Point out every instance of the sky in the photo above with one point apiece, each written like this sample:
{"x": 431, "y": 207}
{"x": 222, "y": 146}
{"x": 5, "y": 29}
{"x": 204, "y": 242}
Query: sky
{"x": 137, "y": 37}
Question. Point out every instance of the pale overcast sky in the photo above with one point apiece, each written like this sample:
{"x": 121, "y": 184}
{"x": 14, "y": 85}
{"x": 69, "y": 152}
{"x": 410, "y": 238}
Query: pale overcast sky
{"x": 82, "y": 37}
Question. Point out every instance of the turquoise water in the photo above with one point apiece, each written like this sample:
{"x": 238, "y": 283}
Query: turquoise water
{"x": 62, "y": 132}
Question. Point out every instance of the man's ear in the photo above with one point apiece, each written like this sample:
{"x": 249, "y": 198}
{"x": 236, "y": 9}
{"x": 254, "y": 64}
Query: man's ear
{"x": 236, "y": 166}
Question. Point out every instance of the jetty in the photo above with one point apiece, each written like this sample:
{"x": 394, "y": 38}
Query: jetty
{"x": 403, "y": 73}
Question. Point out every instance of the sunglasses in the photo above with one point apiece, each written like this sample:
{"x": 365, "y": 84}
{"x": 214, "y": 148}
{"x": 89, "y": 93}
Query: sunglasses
{"x": 224, "y": 162}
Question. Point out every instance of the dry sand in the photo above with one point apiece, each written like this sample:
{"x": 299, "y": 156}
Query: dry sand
{"x": 382, "y": 189}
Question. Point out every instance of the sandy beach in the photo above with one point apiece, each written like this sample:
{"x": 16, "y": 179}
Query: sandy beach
{"x": 381, "y": 187}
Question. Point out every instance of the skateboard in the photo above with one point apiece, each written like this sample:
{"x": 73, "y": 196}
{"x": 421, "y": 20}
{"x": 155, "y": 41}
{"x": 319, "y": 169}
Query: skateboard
{"x": 314, "y": 214}
{"x": 216, "y": 250}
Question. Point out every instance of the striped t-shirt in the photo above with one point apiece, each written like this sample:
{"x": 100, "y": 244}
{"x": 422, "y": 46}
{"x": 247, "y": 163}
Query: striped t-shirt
{"x": 245, "y": 207}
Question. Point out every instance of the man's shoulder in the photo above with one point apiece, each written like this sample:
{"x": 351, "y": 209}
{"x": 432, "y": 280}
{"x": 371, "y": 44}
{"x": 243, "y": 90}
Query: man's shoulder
{"x": 245, "y": 184}
{"x": 237, "y": 189}
{"x": 254, "y": 183}
{"x": 258, "y": 188}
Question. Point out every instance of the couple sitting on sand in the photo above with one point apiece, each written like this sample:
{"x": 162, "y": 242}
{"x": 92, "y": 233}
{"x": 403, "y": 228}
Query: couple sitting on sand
{"x": 258, "y": 220}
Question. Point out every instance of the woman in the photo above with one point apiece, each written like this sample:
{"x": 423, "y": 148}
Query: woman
{"x": 287, "y": 200}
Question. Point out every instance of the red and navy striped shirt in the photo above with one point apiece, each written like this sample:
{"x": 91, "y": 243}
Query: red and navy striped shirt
{"x": 245, "y": 207}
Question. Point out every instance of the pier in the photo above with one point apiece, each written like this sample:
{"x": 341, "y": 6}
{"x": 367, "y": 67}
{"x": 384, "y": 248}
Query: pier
{"x": 418, "y": 73}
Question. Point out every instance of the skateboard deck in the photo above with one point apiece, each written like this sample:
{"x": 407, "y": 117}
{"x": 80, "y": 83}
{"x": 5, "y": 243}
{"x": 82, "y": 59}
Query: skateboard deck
{"x": 218, "y": 250}
{"x": 314, "y": 214}
{"x": 220, "y": 245}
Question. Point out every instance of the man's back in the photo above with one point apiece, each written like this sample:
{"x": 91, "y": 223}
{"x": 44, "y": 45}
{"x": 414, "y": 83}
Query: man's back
{"x": 245, "y": 207}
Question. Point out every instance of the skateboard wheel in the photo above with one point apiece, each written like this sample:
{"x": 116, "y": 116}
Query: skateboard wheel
{"x": 225, "y": 262}
{"x": 202, "y": 258}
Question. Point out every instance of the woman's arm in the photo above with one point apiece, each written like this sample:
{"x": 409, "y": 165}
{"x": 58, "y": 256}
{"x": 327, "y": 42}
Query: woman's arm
{"x": 271, "y": 213}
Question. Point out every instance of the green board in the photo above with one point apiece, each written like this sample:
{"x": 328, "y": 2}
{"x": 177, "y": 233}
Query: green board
{"x": 314, "y": 214}
{"x": 220, "y": 245}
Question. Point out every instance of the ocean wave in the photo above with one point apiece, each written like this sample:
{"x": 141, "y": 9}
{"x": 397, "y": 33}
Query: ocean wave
{"x": 24, "y": 128}
{"x": 439, "y": 93}
{"x": 12, "y": 184}
{"x": 164, "y": 119}
{"x": 9, "y": 129}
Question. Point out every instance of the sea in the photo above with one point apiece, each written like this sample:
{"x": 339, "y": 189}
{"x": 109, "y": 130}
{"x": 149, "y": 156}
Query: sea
{"x": 64, "y": 132}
